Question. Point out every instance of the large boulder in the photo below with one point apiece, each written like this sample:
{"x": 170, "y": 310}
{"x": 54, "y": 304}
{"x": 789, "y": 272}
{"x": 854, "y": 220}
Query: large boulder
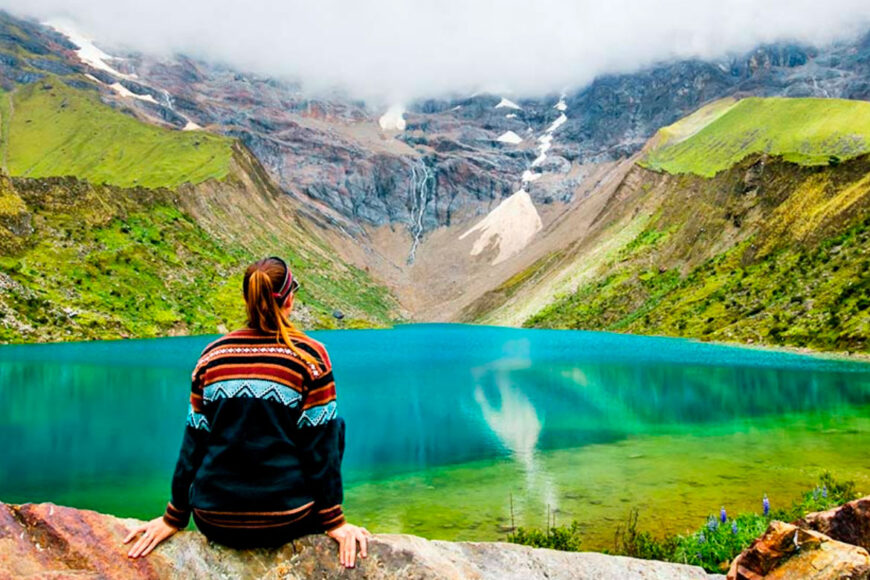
{"x": 45, "y": 540}
{"x": 787, "y": 551}
{"x": 849, "y": 523}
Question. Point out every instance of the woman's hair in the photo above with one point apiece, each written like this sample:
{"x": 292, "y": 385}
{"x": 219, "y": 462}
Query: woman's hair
{"x": 265, "y": 288}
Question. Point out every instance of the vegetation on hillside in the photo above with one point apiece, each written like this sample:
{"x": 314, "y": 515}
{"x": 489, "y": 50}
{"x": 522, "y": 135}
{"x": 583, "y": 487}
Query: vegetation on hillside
{"x": 711, "y": 546}
{"x": 104, "y": 263}
{"x": 815, "y": 297}
{"x": 806, "y": 131}
{"x": 769, "y": 250}
{"x": 115, "y": 228}
{"x": 50, "y": 129}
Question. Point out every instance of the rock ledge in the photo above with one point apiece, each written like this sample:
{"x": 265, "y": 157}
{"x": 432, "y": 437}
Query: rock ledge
{"x": 45, "y": 540}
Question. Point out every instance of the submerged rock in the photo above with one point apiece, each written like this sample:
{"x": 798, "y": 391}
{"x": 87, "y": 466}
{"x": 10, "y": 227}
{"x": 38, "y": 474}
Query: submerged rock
{"x": 42, "y": 540}
{"x": 787, "y": 551}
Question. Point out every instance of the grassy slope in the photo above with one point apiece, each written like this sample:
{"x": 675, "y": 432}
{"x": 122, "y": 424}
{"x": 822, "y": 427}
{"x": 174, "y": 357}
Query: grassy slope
{"x": 83, "y": 260}
{"x": 110, "y": 263}
{"x": 784, "y": 264}
{"x": 56, "y": 130}
{"x": 804, "y": 131}
{"x": 737, "y": 245}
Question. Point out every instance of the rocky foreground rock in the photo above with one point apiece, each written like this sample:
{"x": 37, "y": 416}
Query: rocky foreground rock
{"x": 49, "y": 541}
{"x": 822, "y": 545}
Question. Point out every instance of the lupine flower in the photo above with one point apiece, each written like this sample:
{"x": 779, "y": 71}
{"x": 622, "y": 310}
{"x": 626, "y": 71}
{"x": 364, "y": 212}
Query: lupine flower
{"x": 825, "y": 491}
{"x": 701, "y": 538}
{"x": 816, "y": 493}
{"x": 734, "y": 527}
{"x": 712, "y": 524}
{"x": 722, "y": 515}
{"x": 766, "y": 503}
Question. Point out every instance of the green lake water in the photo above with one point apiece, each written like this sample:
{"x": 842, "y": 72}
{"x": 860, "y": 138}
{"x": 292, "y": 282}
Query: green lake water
{"x": 459, "y": 432}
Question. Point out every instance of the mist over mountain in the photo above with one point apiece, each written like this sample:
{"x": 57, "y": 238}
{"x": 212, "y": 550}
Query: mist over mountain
{"x": 521, "y": 207}
{"x": 389, "y": 51}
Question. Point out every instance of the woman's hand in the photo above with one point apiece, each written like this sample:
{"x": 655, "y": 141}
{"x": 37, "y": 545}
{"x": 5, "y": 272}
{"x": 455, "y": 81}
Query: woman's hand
{"x": 153, "y": 533}
{"x": 347, "y": 535}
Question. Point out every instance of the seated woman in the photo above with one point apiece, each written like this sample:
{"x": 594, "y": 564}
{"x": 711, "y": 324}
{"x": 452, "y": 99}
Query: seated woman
{"x": 260, "y": 462}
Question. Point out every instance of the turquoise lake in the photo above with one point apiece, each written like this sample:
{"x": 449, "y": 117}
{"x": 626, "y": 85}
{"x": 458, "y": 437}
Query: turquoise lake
{"x": 460, "y": 432}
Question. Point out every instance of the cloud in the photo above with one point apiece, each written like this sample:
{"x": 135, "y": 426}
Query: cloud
{"x": 395, "y": 50}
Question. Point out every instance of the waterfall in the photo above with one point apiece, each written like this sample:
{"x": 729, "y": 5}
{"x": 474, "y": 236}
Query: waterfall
{"x": 167, "y": 99}
{"x": 422, "y": 185}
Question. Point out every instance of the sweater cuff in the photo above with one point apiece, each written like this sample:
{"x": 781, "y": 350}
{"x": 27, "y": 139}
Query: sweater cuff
{"x": 175, "y": 517}
{"x": 331, "y": 518}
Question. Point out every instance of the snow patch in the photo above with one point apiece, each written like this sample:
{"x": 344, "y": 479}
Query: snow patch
{"x": 125, "y": 92}
{"x": 529, "y": 175}
{"x": 511, "y": 226}
{"x": 191, "y": 126}
{"x": 510, "y": 116}
{"x": 557, "y": 123}
{"x": 510, "y": 137}
{"x": 393, "y": 119}
{"x": 507, "y": 103}
{"x": 546, "y": 141}
{"x": 87, "y": 52}
{"x": 561, "y": 105}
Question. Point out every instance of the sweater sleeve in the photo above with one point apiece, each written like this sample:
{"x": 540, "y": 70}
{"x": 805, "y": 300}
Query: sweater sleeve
{"x": 193, "y": 445}
{"x": 321, "y": 434}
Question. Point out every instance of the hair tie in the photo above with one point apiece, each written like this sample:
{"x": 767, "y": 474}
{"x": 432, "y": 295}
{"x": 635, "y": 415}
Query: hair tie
{"x": 285, "y": 286}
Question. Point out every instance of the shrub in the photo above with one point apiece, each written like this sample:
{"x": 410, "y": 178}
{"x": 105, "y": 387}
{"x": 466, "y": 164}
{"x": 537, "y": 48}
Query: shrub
{"x": 712, "y": 546}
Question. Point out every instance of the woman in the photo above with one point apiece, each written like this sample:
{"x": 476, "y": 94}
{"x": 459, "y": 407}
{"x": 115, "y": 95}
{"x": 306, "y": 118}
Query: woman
{"x": 260, "y": 462}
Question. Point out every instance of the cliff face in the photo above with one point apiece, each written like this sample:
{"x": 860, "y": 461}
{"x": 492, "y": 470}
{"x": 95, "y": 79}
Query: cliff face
{"x": 45, "y": 540}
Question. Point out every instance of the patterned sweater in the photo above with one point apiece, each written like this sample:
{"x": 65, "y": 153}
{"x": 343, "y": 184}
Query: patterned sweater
{"x": 262, "y": 446}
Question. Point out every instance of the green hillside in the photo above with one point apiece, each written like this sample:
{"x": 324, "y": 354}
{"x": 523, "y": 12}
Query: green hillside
{"x": 778, "y": 255}
{"x": 50, "y": 129}
{"x": 803, "y": 131}
{"x": 102, "y": 262}
{"x": 112, "y": 228}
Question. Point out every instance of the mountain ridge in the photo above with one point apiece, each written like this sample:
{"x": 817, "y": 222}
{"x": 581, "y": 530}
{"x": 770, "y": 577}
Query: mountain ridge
{"x": 397, "y": 204}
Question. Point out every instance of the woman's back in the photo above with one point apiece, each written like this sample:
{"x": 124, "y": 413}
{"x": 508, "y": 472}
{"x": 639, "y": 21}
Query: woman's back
{"x": 258, "y": 405}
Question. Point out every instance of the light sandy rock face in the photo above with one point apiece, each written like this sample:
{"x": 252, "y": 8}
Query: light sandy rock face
{"x": 787, "y": 551}
{"x": 510, "y": 226}
{"x": 45, "y": 540}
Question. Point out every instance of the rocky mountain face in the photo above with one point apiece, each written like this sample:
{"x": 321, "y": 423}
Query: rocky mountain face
{"x": 447, "y": 164}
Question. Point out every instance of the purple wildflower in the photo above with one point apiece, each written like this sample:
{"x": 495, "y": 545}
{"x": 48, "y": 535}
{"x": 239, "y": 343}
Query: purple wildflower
{"x": 816, "y": 494}
{"x": 825, "y": 491}
{"x": 701, "y": 538}
{"x": 722, "y": 515}
{"x": 734, "y": 527}
{"x": 766, "y": 503}
{"x": 712, "y": 524}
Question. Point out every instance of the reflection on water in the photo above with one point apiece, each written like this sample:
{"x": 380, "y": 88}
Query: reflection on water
{"x": 514, "y": 419}
{"x": 99, "y": 424}
{"x": 515, "y": 422}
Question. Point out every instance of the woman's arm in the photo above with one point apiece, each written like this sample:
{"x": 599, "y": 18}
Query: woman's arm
{"x": 321, "y": 444}
{"x": 190, "y": 456}
{"x": 193, "y": 444}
